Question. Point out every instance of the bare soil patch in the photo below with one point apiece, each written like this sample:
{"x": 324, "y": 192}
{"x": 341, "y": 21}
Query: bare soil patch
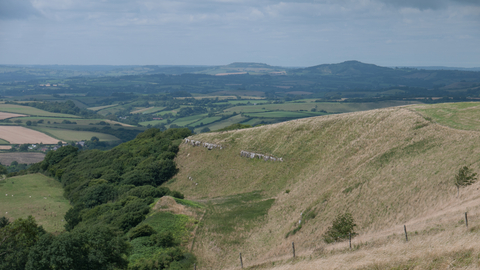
{"x": 5, "y": 115}
{"x": 20, "y": 135}
{"x": 28, "y": 158}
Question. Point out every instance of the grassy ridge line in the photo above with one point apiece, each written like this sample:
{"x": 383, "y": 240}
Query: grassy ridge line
{"x": 386, "y": 166}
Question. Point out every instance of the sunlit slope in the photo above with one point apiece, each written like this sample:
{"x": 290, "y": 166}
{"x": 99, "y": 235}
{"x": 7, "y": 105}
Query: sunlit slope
{"x": 387, "y": 167}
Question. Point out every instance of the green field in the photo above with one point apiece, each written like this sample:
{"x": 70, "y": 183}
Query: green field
{"x": 282, "y": 114}
{"x": 98, "y": 108}
{"x": 331, "y": 107}
{"x": 31, "y": 111}
{"x": 227, "y": 122}
{"x": 2, "y": 141}
{"x": 207, "y": 120}
{"x": 73, "y": 135}
{"x": 153, "y": 122}
{"x": 36, "y": 195}
{"x": 58, "y": 120}
{"x": 456, "y": 115}
{"x": 185, "y": 121}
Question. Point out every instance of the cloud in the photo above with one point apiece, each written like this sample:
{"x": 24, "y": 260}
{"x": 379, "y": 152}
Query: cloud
{"x": 17, "y": 9}
{"x": 429, "y": 4}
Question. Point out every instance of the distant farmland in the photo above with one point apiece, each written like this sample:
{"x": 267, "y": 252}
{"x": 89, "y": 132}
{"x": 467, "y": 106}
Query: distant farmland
{"x": 21, "y": 135}
{"x": 27, "y": 158}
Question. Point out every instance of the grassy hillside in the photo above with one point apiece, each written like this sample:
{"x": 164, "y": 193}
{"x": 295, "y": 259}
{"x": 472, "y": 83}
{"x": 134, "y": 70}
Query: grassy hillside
{"x": 388, "y": 167}
{"x": 36, "y": 195}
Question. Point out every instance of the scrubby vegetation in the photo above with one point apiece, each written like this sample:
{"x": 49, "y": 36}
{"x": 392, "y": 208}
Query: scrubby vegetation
{"x": 111, "y": 193}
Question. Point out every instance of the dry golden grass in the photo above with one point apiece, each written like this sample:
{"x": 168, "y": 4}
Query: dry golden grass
{"x": 388, "y": 167}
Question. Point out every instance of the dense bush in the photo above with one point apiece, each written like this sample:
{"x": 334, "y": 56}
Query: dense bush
{"x": 342, "y": 228}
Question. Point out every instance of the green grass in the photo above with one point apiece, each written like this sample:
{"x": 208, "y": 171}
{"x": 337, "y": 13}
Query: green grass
{"x": 463, "y": 115}
{"x": 73, "y": 135}
{"x": 153, "y": 122}
{"x": 207, "y": 120}
{"x": 36, "y": 195}
{"x": 226, "y": 215}
{"x": 98, "y": 108}
{"x": 12, "y": 108}
{"x": 3, "y": 142}
{"x": 168, "y": 222}
{"x": 227, "y": 122}
{"x": 185, "y": 121}
{"x": 282, "y": 114}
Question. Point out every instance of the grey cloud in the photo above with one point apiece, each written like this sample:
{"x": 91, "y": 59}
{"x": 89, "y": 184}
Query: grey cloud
{"x": 17, "y": 9}
{"x": 429, "y": 4}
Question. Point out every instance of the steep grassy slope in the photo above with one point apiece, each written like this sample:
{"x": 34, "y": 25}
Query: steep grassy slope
{"x": 387, "y": 167}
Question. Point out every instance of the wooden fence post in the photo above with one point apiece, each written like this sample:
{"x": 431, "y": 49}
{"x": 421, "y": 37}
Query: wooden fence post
{"x": 466, "y": 220}
{"x": 293, "y": 249}
{"x": 350, "y": 239}
{"x": 241, "y": 262}
{"x": 405, "y": 229}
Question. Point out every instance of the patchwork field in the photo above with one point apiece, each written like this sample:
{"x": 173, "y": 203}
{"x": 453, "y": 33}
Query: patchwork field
{"x": 74, "y": 135}
{"x": 21, "y": 135}
{"x": 36, "y": 195}
{"x": 12, "y": 108}
{"x": 4, "y": 115}
{"x": 22, "y": 158}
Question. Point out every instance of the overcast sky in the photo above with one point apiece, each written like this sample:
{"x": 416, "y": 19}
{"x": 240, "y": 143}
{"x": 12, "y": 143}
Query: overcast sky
{"x": 217, "y": 32}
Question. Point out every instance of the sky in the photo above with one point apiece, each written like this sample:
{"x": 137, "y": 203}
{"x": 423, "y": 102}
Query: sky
{"x": 295, "y": 33}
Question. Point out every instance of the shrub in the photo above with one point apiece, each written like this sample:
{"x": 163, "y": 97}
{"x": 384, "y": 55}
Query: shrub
{"x": 342, "y": 227}
{"x": 142, "y": 230}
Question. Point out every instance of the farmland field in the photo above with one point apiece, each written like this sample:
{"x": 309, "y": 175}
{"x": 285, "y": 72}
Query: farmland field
{"x": 3, "y": 142}
{"x": 21, "y": 135}
{"x": 4, "y": 115}
{"x": 101, "y": 107}
{"x": 331, "y": 107}
{"x": 36, "y": 195}
{"x": 21, "y": 157}
{"x": 31, "y": 111}
{"x": 227, "y": 122}
{"x": 153, "y": 122}
{"x": 58, "y": 120}
{"x": 282, "y": 114}
{"x": 74, "y": 135}
{"x": 185, "y": 121}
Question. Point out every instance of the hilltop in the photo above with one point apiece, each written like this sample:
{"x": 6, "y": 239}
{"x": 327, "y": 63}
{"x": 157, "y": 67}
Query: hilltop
{"x": 388, "y": 167}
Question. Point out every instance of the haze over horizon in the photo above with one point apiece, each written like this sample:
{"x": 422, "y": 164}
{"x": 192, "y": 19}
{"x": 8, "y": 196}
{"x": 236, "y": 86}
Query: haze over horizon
{"x": 218, "y": 32}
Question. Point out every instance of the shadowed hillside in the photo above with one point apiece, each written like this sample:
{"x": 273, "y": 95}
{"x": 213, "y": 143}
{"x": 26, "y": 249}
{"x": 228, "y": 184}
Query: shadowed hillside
{"x": 387, "y": 167}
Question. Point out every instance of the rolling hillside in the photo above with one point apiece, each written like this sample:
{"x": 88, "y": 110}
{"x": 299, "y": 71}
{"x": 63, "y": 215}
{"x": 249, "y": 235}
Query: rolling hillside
{"x": 388, "y": 167}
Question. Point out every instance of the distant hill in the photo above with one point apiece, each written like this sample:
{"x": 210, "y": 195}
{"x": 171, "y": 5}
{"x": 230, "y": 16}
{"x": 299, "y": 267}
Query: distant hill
{"x": 348, "y": 68}
{"x": 388, "y": 167}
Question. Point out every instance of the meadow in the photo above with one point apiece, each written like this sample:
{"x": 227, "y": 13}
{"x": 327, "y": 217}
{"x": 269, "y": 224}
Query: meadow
{"x": 74, "y": 135}
{"x": 36, "y": 195}
{"x": 26, "y": 110}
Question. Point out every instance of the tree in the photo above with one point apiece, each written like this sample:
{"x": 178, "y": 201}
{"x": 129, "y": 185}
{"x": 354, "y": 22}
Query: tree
{"x": 464, "y": 177}
{"x": 342, "y": 228}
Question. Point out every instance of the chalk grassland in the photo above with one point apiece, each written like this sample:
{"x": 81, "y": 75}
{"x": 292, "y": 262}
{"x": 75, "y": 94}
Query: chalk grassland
{"x": 4, "y": 115}
{"x": 12, "y": 108}
{"x": 27, "y": 158}
{"x": 74, "y": 135}
{"x": 35, "y": 195}
{"x": 21, "y": 135}
{"x": 388, "y": 167}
